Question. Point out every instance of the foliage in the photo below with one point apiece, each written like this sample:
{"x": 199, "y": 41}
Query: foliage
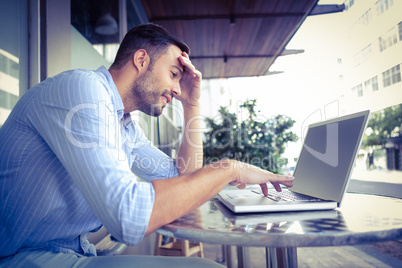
{"x": 382, "y": 125}
{"x": 254, "y": 140}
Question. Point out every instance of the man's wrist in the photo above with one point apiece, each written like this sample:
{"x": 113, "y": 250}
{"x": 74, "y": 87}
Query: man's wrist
{"x": 192, "y": 105}
{"x": 229, "y": 167}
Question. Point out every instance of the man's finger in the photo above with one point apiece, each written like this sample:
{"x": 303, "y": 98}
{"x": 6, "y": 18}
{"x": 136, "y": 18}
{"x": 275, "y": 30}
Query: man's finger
{"x": 264, "y": 189}
{"x": 277, "y": 186}
{"x": 281, "y": 178}
{"x": 188, "y": 64}
{"x": 241, "y": 186}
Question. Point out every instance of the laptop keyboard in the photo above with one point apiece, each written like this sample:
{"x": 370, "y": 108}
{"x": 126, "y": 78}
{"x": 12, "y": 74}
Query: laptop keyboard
{"x": 289, "y": 196}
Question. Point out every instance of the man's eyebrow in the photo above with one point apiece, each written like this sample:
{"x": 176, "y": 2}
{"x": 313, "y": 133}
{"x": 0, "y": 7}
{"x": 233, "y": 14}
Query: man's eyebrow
{"x": 177, "y": 67}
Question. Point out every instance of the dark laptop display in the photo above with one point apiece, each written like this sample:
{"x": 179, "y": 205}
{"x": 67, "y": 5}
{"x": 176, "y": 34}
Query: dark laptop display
{"x": 327, "y": 157}
{"x": 322, "y": 172}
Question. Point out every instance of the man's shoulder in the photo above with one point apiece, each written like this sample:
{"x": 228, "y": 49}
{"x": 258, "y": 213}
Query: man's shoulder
{"x": 72, "y": 87}
{"x": 82, "y": 80}
{"x": 81, "y": 75}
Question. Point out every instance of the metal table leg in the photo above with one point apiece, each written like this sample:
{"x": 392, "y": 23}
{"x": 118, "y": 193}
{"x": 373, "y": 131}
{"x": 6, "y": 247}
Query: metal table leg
{"x": 243, "y": 257}
{"x": 229, "y": 256}
{"x": 281, "y": 257}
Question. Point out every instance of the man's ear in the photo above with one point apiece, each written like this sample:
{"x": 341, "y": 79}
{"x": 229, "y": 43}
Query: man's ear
{"x": 141, "y": 60}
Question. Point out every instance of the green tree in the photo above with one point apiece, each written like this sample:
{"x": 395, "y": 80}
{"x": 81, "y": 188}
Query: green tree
{"x": 253, "y": 140}
{"x": 382, "y": 125}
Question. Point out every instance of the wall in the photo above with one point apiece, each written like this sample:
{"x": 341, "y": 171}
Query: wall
{"x": 365, "y": 60}
{"x": 58, "y": 36}
{"x": 83, "y": 55}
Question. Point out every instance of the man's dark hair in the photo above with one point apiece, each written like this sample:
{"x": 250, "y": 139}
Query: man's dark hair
{"x": 151, "y": 37}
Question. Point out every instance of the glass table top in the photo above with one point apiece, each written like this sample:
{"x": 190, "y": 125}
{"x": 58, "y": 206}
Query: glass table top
{"x": 361, "y": 219}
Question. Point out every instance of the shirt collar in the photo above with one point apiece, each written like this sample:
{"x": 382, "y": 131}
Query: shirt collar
{"x": 115, "y": 93}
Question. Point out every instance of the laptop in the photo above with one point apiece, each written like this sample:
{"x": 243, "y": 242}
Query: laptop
{"x": 322, "y": 173}
{"x": 268, "y": 217}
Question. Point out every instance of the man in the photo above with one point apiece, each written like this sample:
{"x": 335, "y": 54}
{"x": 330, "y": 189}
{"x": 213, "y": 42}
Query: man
{"x": 69, "y": 147}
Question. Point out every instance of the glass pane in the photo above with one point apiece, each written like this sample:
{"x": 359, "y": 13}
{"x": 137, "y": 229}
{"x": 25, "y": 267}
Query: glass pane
{"x": 98, "y": 22}
{"x": 13, "y": 54}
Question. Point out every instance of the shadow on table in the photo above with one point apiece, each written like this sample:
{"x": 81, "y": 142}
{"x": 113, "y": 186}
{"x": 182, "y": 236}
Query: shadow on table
{"x": 375, "y": 188}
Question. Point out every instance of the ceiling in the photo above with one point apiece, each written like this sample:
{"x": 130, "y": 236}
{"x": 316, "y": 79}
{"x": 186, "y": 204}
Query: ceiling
{"x": 231, "y": 38}
{"x": 227, "y": 38}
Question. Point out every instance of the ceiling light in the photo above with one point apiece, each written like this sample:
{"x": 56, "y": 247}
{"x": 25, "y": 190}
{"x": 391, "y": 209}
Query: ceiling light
{"x": 106, "y": 25}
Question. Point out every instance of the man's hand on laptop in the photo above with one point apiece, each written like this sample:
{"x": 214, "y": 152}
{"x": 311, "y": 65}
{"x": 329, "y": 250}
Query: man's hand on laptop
{"x": 249, "y": 174}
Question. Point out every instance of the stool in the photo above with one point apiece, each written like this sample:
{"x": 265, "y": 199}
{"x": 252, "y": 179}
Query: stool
{"x": 108, "y": 247}
{"x": 178, "y": 247}
{"x": 104, "y": 245}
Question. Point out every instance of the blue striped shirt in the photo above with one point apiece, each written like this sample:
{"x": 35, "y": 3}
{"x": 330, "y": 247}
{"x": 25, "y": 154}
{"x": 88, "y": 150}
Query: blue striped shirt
{"x": 67, "y": 157}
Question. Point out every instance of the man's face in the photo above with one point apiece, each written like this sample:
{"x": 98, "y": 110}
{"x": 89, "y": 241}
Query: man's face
{"x": 153, "y": 90}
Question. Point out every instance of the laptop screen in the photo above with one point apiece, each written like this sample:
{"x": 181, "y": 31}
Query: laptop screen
{"x": 328, "y": 155}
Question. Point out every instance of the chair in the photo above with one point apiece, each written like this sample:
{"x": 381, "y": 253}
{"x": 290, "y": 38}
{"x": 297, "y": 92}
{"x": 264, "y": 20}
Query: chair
{"x": 104, "y": 245}
{"x": 177, "y": 247}
{"x": 108, "y": 247}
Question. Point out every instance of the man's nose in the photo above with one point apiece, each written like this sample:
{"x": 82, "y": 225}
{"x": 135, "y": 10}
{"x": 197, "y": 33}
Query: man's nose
{"x": 176, "y": 89}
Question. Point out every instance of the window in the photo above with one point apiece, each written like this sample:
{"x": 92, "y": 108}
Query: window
{"x": 400, "y": 31}
{"x": 374, "y": 83}
{"x": 98, "y": 22}
{"x": 362, "y": 55}
{"x": 391, "y": 76}
{"x": 13, "y": 54}
{"x": 366, "y": 18}
{"x": 383, "y": 5}
{"x": 9, "y": 74}
{"x": 359, "y": 90}
{"x": 367, "y": 84}
{"x": 371, "y": 84}
{"x": 386, "y": 78}
{"x": 389, "y": 39}
{"x": 396, "y": 74}
{"x": 350, "y": 4}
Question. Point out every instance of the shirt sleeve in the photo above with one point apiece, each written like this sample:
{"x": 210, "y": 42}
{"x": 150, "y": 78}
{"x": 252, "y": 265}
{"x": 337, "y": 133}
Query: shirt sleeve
{"x": 76, "y": 118}
{"x": 149, "y": 163}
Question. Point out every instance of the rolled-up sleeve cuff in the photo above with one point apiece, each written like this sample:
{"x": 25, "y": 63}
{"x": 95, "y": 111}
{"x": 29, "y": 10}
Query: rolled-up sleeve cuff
{"x": 135, "y": 213}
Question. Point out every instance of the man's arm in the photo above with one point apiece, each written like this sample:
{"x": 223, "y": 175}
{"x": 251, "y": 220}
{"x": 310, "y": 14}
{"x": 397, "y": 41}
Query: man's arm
{"x": 190, "y": 154}
{"x": 176, "y": 197}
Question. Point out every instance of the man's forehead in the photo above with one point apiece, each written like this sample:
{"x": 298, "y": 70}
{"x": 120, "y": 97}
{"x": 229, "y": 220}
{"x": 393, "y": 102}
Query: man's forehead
{"x": 175, "y": 50}
{"x": 174, "y": 53}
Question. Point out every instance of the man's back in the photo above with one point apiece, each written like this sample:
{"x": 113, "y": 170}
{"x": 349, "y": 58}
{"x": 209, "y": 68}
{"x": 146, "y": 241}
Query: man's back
{"x": 66, "y": 167}
{"x": 40, "y": 205}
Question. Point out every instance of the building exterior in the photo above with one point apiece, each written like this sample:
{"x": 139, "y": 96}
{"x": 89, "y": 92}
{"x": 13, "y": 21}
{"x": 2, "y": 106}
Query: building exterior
{"x": 366, "y": 57}
{"x": 372, "y": 57}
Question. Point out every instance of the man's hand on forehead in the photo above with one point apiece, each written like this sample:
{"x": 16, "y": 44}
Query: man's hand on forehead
{"x": 190, "y": 82}
{"x": 187, "y": 65}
